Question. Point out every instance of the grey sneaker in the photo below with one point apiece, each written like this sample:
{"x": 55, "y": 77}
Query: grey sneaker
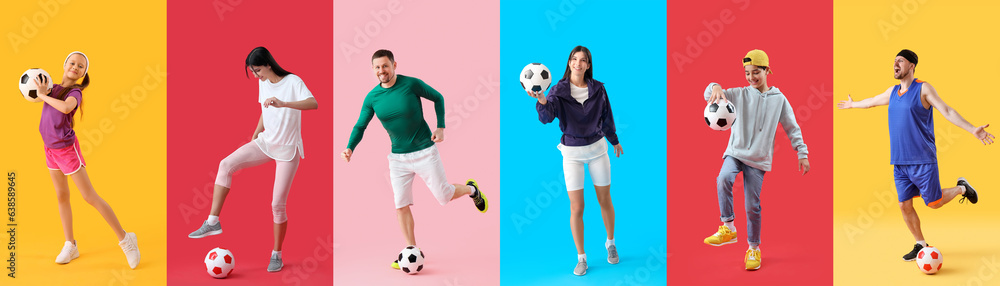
{"x": 612, "y": 254}
{"x": 130, "y": 245}
{"x": 207, "y": 230}
{"x": 581, "y": 268}
{"x": 275, "y": 264}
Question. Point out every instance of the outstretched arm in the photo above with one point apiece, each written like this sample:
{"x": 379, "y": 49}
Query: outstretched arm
{"x": 367, "y": 112}
{"x": 306, "y": 104}
{"x": 878, "y": 100}
{"x": 714, "y": 92}
{"x": 932, "y": 98}
{"x": 547, "y": 107}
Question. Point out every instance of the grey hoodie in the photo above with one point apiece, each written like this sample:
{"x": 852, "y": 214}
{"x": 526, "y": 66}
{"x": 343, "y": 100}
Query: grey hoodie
{"x": 751, "y": 140}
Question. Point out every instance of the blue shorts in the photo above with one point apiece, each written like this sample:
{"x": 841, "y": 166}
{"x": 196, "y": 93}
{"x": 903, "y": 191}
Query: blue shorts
{"x": 918, "y": 180}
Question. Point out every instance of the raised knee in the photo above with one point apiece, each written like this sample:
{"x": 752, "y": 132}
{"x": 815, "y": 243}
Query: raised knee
{"x": 442, "y": 196}
{"x": 225, "y": 166}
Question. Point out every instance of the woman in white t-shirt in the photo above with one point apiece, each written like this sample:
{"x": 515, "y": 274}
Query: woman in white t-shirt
{"x": 278, "y": 138}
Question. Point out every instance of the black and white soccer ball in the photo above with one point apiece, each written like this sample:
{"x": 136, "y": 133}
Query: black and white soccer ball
{"x": 411, "y": 260}
{"x": 720, "y": 115}
{"x": 535, "y": 77}
{"x": 27, "y": 84}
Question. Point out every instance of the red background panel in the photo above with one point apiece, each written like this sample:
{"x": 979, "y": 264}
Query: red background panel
{"x": 212, "y": 109}
{"x": 706, "y": 41}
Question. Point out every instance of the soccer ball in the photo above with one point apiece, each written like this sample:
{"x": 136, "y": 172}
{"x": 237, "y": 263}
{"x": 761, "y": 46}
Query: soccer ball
{"x": 220, "y": 262}
{"x": 535, "y": 77}
{"x": 720, "y": 115}
{"x": 27, "y": 84}
{"x": 411, "y": 260}
{"x": 929, "y": 260}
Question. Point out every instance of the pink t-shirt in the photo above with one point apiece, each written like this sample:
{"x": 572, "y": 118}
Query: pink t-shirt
{"x": 56, "y": 128}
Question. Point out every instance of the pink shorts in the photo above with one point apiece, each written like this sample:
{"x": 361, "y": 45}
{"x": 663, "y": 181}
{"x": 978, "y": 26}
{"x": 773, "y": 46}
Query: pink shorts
{"x": 68, "y": 160}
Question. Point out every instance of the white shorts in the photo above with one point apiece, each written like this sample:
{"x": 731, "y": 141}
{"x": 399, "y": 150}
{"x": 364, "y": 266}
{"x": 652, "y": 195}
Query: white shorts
{"x": 595, "y": 156}
{"x": 425, "y": 163}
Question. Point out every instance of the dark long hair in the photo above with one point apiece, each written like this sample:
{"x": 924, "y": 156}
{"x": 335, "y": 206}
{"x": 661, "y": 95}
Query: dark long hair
{"x": 65, "y": 92}
{"x": 260, "y": 56}
{"x": 589, "y": 74}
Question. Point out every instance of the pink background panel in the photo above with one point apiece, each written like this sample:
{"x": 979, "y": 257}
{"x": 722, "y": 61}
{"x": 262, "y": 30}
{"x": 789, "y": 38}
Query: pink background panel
{"x": 454, "y": 47}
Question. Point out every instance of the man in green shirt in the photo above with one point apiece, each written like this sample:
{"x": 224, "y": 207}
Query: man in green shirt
{"x": 396, "y": 102}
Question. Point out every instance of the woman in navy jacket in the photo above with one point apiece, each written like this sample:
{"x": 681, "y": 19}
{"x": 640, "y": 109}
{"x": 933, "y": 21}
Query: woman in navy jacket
{"x": 584, "y": 111}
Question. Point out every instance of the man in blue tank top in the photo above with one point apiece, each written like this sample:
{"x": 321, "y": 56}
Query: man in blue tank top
{"x": 911, "y": 141}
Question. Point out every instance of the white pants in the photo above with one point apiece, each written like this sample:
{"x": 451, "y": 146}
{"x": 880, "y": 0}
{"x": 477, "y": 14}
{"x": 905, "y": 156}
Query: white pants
{"x": 250, "y": 155}
{"x": 425, "y": 163}
{"x": 595, "y": 156}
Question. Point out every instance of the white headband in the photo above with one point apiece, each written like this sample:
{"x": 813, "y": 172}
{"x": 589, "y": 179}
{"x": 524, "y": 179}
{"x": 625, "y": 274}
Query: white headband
{"x": 84, "y": 57}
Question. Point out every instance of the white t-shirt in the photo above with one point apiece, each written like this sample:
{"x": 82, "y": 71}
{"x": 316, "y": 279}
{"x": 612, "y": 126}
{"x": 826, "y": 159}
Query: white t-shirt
{"x": 578, "y": 93}
{"x": 282, "y": 135}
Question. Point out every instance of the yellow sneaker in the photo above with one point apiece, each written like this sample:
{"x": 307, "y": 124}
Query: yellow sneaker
{"x": 752, "y": 259}
{"x": 722, "y": 237}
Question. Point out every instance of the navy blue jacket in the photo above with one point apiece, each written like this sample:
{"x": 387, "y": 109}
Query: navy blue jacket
{"x": 581, "y": 124}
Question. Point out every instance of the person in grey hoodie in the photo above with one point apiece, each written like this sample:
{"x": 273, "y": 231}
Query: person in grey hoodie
{"x": 751, "y": 147}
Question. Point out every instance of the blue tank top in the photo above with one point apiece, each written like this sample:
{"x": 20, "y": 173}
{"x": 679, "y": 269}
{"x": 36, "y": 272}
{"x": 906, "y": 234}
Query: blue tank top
{"x": 911, "y": 128}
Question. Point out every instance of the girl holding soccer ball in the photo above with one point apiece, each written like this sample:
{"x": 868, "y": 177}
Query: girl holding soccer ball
{"x": 63, "y": 157}
{"x": 585, "y": 118}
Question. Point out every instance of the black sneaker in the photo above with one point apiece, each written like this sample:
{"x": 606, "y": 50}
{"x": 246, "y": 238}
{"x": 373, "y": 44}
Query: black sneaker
{"x": 477, "y": 197}
{"x": 913, "y": 253}
{"x": 970, "y": 193}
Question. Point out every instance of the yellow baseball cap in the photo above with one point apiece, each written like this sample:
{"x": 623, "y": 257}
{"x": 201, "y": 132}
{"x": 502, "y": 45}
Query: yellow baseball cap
{"x": 757, "y": 58}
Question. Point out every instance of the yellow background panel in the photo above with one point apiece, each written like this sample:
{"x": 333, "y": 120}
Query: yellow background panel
{"x": 956, "y": 45}
{"x": 122, "y": 135}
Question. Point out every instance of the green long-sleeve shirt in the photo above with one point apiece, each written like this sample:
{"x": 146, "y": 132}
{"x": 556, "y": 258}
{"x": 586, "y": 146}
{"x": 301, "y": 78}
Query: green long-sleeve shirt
{"x": 400, "y": 111}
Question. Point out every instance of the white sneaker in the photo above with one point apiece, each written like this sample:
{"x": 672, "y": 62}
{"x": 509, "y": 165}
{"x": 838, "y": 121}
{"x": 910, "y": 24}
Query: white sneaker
{"x": 68, "y": 253}
{"x": 131, "y": 248}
